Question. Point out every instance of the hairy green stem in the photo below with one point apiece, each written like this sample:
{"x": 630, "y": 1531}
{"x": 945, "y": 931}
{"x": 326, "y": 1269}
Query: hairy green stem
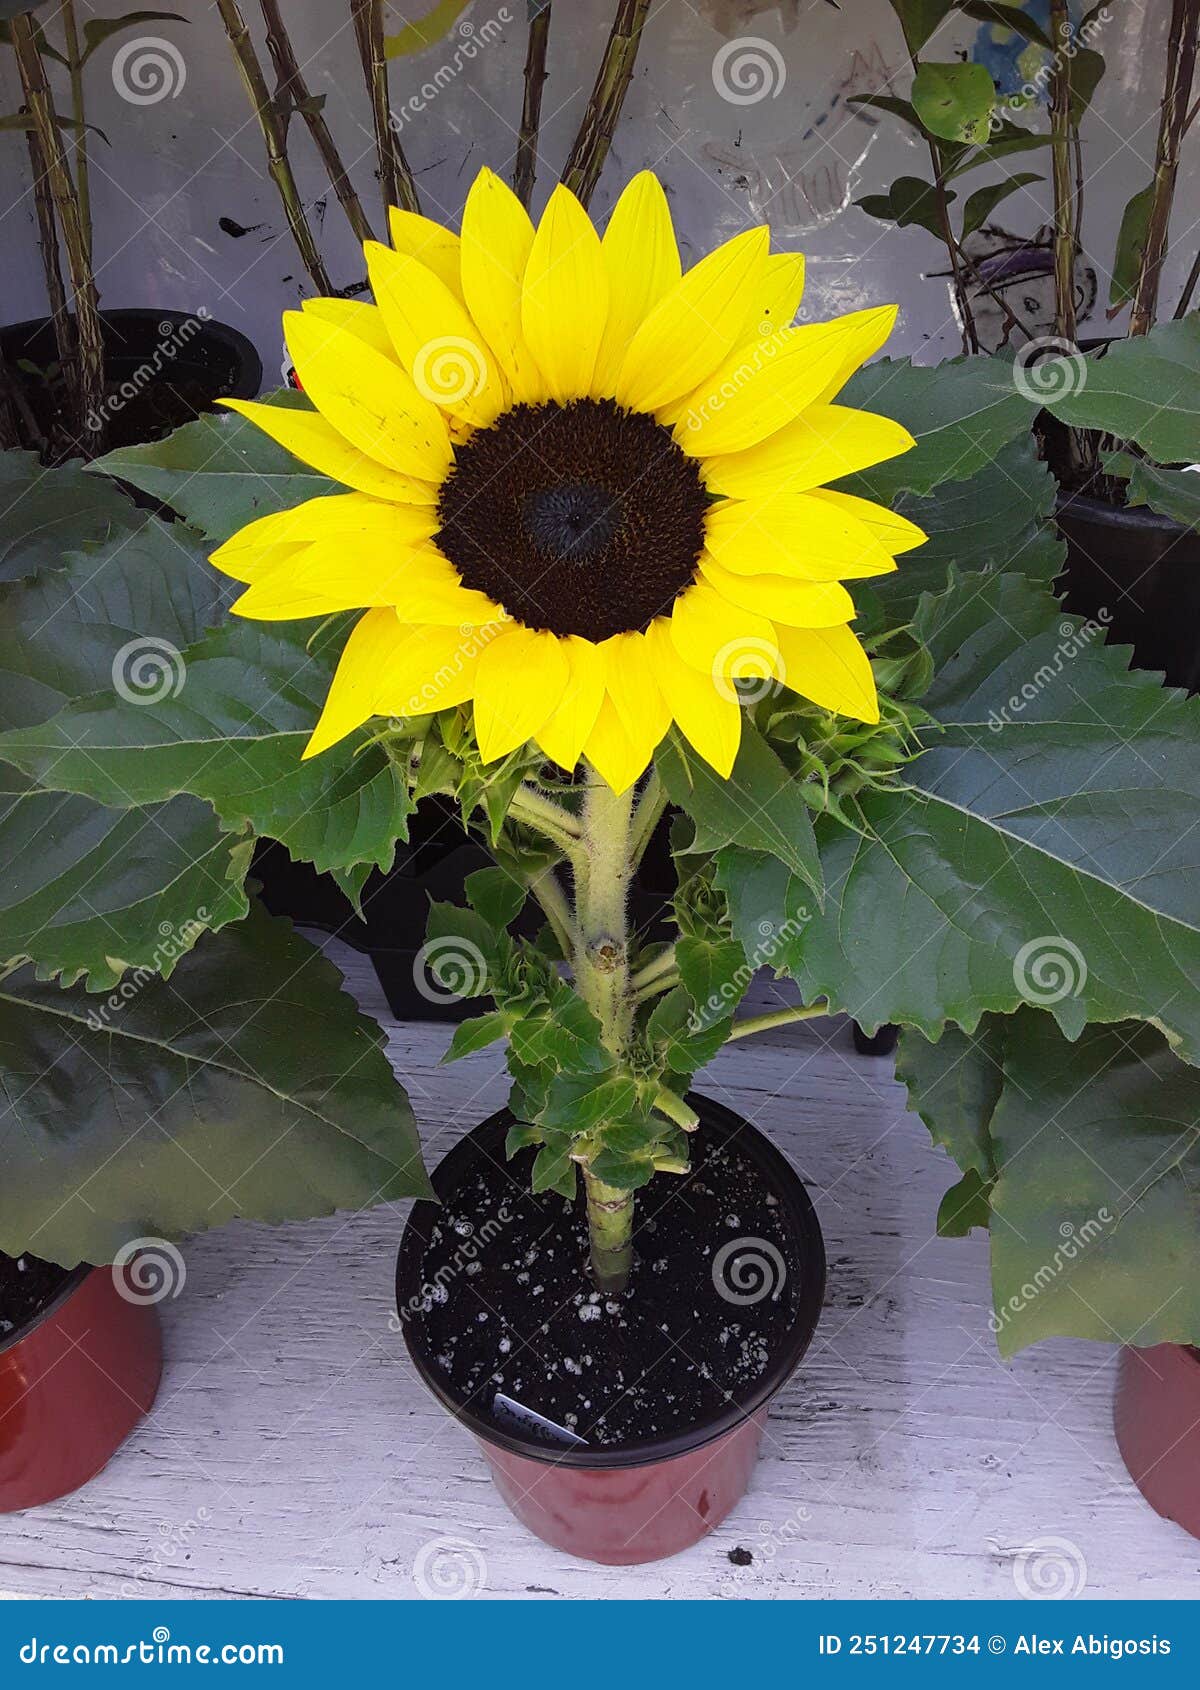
{"x": 777, "y": 1018}
{"x": 610, "y": 1230}
{"x": 649, "y": 812}
{"x": 546, "y": 889}
{"x": 663, "y": 963}
{"x": 549, "y": 818}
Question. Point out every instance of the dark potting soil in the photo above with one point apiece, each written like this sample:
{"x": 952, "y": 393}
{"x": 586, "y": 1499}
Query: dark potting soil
{"x": 27, "y": 1284}
{"x": 507, "y": 1306}
{"x": 152, "y": 412}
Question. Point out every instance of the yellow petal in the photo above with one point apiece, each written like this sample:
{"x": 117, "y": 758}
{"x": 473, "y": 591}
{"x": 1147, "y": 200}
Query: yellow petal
{"x": 434, "y": 338}
{"x": 616, "y": 757}
{"x": 794, "y": 534}
{"x": 496, "y": 238}
{"x": 822, "y": 444}
{"x": 356, "y": 317}
{"x": 709, "y": 715}
{"x": 635, "y": 693}
{"x": 777, "y": 298}
{"x": 564, "y": 297}
{"x": 761, "y": 387}
{"x": 375, "y": 640}
{"x": 895, "y": 533}
{"x": 642, "y": 261}
{"x": 351, "y": 517}
{"x": 428, "y": 589}
{"x": 717, "y": 636}
{"x": 521, "y": 678}
{"x": 430, "y": 244}
{"x": 828, "y": 666}
{"x": 368, "y": 398}
{"x": 784, "y": 598}
{"x": 325, "y": 577}
{"x": 307, "y": 436}
{"x": 694, "y": 326}
{"x": 562, "y": 738}
{"x": 433, "y": 669}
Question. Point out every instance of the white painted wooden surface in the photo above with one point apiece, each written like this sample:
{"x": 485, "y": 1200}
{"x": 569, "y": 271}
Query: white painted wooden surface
{"x": 292, "y": 1452}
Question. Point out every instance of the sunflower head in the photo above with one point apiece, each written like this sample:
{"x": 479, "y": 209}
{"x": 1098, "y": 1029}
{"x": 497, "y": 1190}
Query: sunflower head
{"x": 586, "y": 490}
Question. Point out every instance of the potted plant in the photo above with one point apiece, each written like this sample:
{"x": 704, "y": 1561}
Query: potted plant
{"x": 962, "y": 814}
{"x": 80, "y": 380}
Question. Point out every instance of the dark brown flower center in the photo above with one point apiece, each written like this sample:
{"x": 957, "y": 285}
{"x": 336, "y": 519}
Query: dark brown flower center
{"x": 580, "y": 519}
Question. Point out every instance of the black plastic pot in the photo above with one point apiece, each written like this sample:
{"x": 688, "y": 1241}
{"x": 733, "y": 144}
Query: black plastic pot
{"x": 1139, "y": 574}
{"x": 162, "y": 367}
{"x": 641, "y": 1501}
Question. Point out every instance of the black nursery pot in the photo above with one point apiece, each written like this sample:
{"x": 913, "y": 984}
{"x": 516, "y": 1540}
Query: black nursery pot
{"x": 163, "y": 368}
{"x": 618, "y": 1429}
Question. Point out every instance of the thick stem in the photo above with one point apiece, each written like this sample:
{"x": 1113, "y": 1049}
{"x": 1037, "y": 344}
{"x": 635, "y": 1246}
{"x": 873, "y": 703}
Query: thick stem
{"x": 525, "y": 169}
{"x": 610, "y": 1230}
{"x": 557, "y": 910}
{"x": 595, "y": 135}
{"x": 294, "y": 89}
{"x": 1181, "y": 65}
{"x": 278, "y": 164}
{"x": 1060, "y": 152}
{"x": 82, "y": 174}
{"x": 395, "y": 178}
{"x": 650, "y": 809}
{"x": 56, "y": 293}
{"x": 90, "y": 361}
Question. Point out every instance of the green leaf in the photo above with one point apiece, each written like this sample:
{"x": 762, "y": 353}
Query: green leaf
{"x": 890, "y": 103}
{"x": 249, "y": 1085}
{"x": 1170, "y": 492}
{"x": 96, "y": 31}
{"x": 1146, "y": 390}
{"x": 759, "y": 806}
{"x": 576, "y": 1103}
{"x": 1044, "y": 852}
{"x": 564, "y": 1036}
{"x": 220, "y": 472}
{"x": 965, "y": 1206}
{"x": 232, "y": 733}
{"x": 627, "y": 1173}
{"x": 919, "y": 19}
{"x": 520, "y": 1138}
{"x": 460, "y": 950}
{"x": 677, "y": 1039}
{"x": 553, "y": 1170}
{"x": 46, "y": 511}
{"x": 1014, "y": 17}
{"x": 1131, "y": 247}
{"x": 960, "y": 413}
{"x": 1008, "y": 141}
{"x": 715, "y": 975}
{"x": 477, "y": 1033}
{"x": 1000, "y": 518}
{"x": 954, "y": 1085}
{"x": 1096, "y": 1149}
{"x": 1087, "y": 69}
{"x": 497, "y": 895}
{"x": 983, "y": 201}
{"x": 954, "y": 101}
{"x": 908, "y": 201}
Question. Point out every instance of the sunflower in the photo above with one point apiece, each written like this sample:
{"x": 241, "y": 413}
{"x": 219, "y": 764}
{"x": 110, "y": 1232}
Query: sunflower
{"x": 586, "y": 487}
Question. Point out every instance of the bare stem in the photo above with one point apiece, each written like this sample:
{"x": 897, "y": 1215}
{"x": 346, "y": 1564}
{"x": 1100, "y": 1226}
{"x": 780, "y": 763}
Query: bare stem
{"x": 1060, "y": 151}
{"x": 1181, "y": 65}
{"x": 525, "y": 169}
{"x": 395, "y": 178}
{"x": 82, "y": 174}
{"x": 38, "y": 98}
{"x": 278, "y": 164}
{"x": 595, "y": 135}
{"x": 293, "y": 88}
{"x": 1189, "y": 288}
{"x": 56, "y": 293}
{"x": 777, "y": 1018}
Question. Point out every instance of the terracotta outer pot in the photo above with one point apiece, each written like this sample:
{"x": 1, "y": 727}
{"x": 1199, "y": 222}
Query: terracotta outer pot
{"x": 73, "y": 1385}
{"x": 641, "y": 1503}
{"x": 1157, "y": 1418}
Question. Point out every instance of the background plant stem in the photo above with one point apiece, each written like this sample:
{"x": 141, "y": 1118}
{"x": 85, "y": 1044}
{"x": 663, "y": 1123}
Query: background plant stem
{"x": 525, "y": 169}
{"x": 395, "y": 178}
{"x": 1181, "y": 64}
{"x": 82, "y": 172}
{"x": 1060, "y": 156}
{"x": 293, "y": 88}
{"x": 278, "y": 165}
{"x": 56, "y": 293}
{"x": 595, "y": 135}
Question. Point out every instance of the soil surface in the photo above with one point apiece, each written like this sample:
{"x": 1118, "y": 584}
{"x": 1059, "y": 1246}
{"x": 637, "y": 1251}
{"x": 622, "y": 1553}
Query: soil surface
{"x": 506, "y": 1304}
{"x": 26, "y": 1286}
